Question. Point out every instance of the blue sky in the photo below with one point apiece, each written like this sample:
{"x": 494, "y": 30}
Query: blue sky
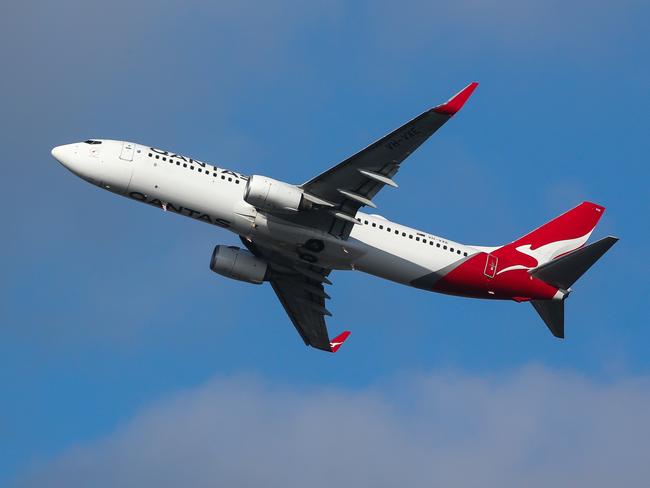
{"x": 124, "y": 360}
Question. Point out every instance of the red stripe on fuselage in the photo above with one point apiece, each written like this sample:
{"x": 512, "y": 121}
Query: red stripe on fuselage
{"x": 469, "y": 280}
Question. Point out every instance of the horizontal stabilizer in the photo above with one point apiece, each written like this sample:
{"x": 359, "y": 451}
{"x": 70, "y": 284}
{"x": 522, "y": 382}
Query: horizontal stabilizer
{"x": 565, "y": 270}
{"x": 552, "y": 313}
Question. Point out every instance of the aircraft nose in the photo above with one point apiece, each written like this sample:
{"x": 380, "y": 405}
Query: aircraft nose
{"x": 62, "y": 154}
{"x": 73, "y": 158}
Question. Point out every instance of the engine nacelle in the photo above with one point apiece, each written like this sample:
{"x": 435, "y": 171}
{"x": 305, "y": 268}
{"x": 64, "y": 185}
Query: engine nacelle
{"x": 273, "y": 195}
{"x": 238, "y": 264}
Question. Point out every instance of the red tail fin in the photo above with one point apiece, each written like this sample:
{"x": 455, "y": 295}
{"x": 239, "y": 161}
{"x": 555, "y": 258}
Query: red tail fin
{"x": 561, "y": 235}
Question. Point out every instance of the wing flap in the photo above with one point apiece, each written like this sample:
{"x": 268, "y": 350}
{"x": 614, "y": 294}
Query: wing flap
{"x": 305, "y": 311}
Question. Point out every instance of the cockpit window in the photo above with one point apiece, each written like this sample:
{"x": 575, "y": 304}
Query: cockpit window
{"x": 90, "y": 141}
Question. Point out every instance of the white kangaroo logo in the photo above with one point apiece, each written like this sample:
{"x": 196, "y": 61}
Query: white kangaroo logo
{"x": 547, "y": 252}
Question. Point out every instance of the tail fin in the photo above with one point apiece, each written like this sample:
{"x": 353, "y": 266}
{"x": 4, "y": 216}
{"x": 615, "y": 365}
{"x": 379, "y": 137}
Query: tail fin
{"x": 561, "y": 235}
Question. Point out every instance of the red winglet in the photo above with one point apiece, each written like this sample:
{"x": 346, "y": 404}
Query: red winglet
{"x": 454, "y": 104}
{"x": 339, "y": 340}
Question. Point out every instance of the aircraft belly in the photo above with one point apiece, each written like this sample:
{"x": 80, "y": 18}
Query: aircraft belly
{"x": 401, "y": 265}
{"x": 291, "y": 240}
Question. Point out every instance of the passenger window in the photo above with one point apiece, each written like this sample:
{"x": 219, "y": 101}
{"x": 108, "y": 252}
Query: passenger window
{"x": 157, "y": 156}
{"x": 381, "y": 227}
{"x": 417, "y": 238}
{"x": 396, "y": 232}
{"x": 451, "y": 249}
{"x": 410, "y": 236}
{"x": 374, "y": 225}
{"x": 365, "y": 222}
{"x": 465, "y": 254}
{"x": 438, "y": 244}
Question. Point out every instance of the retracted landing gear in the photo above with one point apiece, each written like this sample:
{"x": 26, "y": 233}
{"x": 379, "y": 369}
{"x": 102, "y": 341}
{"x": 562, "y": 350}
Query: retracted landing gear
{"x": 310, "y": 258}
{"x": 314, "y": 245}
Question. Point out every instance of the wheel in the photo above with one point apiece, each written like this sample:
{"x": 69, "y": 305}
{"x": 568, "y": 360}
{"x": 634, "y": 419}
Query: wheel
{"x": 309, "y": 258}
{"x": 314, "y": 245}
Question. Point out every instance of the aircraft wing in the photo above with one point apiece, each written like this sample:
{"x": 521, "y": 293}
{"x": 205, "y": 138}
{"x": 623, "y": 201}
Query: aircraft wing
{"x": 353, "y": 183}
{"x": 300, "y": 290}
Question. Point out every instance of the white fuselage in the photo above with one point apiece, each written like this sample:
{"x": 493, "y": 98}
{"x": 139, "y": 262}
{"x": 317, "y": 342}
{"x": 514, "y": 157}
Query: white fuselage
{"x": 215, "y": 195}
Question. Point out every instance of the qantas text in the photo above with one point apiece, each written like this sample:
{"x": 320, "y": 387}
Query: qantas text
{"x": 141, "y": 197}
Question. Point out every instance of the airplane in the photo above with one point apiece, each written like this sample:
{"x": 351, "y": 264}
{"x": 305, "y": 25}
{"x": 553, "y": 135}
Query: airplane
{"x": 296, "y": 235}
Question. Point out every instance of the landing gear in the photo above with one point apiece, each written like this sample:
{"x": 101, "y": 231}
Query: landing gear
{"x": 309, "y": 258}
{"x": 314, "y": 245}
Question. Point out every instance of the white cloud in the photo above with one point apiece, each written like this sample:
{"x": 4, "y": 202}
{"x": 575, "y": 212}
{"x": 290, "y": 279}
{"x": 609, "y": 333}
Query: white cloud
{"x": 534, "y": 428}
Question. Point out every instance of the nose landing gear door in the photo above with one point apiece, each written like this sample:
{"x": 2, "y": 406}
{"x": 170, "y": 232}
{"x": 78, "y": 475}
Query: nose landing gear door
{"x": 127, "y": 151}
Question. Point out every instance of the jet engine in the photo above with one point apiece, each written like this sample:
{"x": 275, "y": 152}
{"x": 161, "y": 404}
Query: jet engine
{"x": 273, "y": 195}
{"x": 238, "y": 264}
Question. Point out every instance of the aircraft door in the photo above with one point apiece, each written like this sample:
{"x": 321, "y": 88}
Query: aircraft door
{"x": 117, "y": 166}
{"x": 127, "y": 151}
{"x": 491, "y": 263}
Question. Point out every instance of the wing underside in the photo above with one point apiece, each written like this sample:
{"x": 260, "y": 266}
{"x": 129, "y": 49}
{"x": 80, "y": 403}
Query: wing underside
{"x": 300, "y": 289}
{"x": 306, "y": 310}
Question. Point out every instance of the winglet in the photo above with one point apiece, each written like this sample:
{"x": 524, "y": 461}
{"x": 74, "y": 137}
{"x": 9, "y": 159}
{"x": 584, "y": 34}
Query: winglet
{"x": 454, "y": 104}
{"x": 338, "y": 341}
